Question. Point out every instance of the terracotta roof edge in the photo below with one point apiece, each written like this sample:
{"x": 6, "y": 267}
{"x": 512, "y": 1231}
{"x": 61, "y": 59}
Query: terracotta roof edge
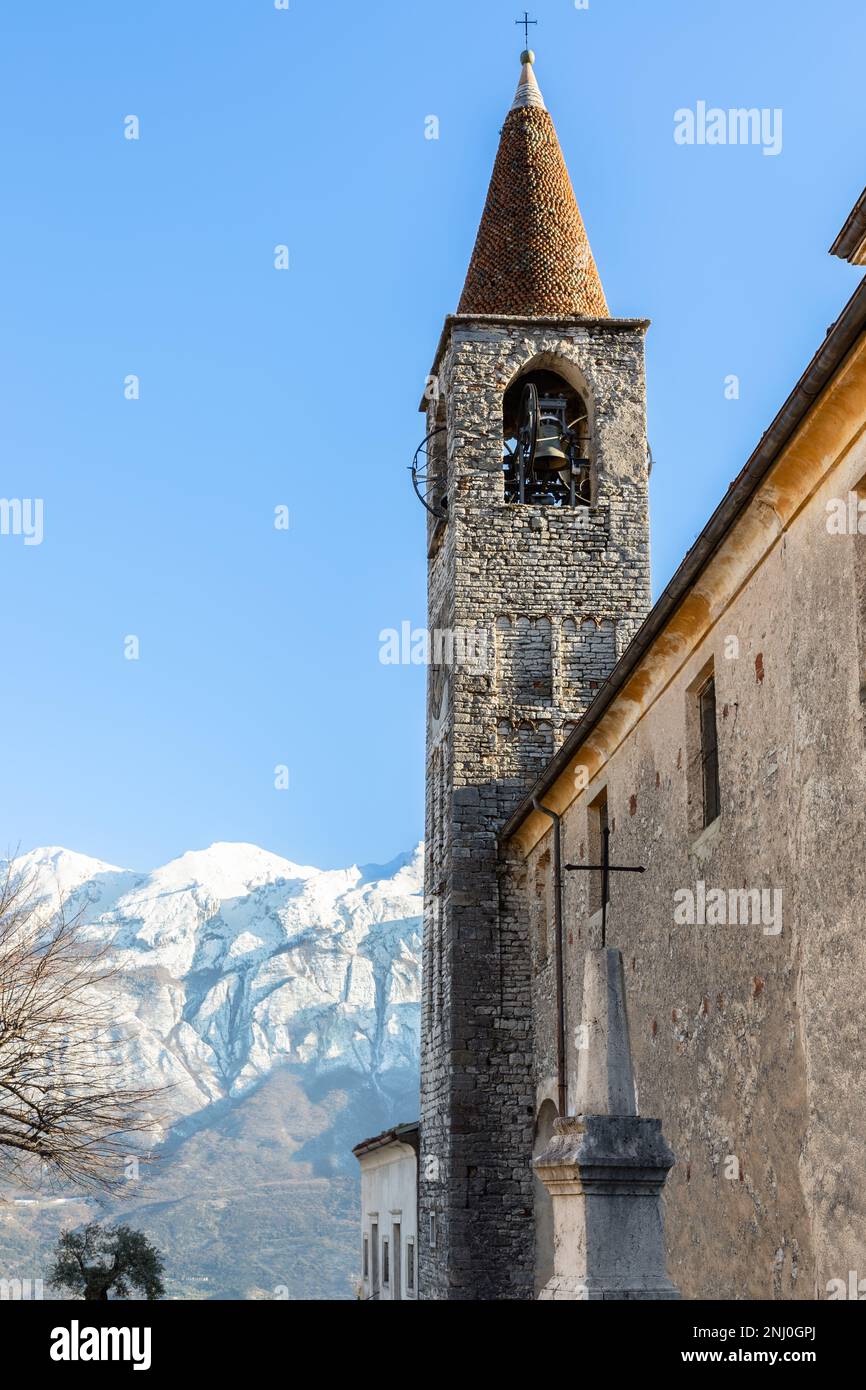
{"x": 397, "y": 1134}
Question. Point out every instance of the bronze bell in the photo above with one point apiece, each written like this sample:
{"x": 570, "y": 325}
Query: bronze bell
{"x": 550, "y": 455}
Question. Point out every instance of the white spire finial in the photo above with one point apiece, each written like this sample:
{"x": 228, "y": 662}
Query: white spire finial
{"x": 528, "y": 90}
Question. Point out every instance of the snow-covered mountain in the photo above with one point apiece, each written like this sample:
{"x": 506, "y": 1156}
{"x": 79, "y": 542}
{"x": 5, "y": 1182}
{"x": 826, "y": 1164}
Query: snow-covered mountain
{"x": 236, "y": 961}
{"x": 257, "y": 989}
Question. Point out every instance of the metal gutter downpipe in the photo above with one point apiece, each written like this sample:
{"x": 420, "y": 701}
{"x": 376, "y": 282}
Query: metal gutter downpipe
{"x": 561, "y": 1070}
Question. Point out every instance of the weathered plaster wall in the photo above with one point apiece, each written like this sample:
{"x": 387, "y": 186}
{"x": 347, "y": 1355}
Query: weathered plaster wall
{"x": 749, "y": 1046}
{"x": 389, "y": 1187}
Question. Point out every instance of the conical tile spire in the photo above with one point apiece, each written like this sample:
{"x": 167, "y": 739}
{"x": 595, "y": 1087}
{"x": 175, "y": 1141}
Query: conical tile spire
{"x": 532, "y": 257}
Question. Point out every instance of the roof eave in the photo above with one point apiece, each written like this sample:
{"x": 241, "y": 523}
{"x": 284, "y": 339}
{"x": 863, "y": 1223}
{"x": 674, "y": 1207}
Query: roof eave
{"x": 408, "y": 1134}
{"x": 850, "y": 244}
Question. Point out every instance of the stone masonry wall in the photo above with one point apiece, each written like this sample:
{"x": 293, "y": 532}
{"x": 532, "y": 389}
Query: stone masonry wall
{"x": 531, "y": 578}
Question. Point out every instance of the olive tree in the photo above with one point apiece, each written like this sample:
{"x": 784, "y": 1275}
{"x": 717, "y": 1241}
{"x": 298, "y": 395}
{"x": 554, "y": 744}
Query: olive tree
{"x": 100, "y": 1262}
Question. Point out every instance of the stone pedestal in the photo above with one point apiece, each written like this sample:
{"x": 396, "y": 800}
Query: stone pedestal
{"x": 605, "y": 1174}
{"x": 605, "y": 1171}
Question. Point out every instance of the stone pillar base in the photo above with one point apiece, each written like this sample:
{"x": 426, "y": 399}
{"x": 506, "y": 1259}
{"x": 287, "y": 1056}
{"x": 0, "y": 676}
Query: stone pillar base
{"x": 605, "y": 1174}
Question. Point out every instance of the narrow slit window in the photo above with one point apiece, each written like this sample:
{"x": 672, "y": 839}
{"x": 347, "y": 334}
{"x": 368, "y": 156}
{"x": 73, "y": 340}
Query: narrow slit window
{"x": 397, "y": 1237}
{"x": 598, "y": 824}
{"x": 709, "y": 751}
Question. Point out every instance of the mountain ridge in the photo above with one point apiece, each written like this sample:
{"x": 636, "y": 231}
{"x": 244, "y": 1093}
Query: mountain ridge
{"x": 246, "y": 983}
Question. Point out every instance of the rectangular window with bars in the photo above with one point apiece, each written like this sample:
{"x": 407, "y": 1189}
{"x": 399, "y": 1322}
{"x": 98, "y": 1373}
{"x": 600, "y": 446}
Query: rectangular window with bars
{"x": 386, "y": 1270}
{"x": 410, "y": 1266}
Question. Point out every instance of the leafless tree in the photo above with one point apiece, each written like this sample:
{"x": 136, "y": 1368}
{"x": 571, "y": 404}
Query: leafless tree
{"x": 64, "y": 1110}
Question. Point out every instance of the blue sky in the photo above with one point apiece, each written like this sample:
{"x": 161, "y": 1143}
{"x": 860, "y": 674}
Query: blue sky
{"x": 262, "y": 388}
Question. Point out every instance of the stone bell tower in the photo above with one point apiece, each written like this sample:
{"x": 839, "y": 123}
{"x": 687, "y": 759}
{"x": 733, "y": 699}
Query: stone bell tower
{"x": 539, "y": 577}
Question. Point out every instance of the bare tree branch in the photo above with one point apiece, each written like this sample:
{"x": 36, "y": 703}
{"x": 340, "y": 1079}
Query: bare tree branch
{"x": 63, "y": 1100}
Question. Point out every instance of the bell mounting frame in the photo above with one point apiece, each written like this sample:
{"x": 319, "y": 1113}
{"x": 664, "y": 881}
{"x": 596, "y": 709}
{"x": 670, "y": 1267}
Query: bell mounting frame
{"x": 527, "y": 435}
{"x": 422, "y": 480}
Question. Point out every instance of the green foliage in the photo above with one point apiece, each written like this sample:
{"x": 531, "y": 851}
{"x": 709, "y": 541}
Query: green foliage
{"x": 99, "y": 1262}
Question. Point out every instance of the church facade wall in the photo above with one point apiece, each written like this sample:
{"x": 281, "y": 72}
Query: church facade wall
{"x": 746, "y": 1034}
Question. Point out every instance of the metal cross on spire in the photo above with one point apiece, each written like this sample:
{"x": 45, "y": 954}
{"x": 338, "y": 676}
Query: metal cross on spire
{"x": 526, "y": 22}
{"x": 606, "y": 869}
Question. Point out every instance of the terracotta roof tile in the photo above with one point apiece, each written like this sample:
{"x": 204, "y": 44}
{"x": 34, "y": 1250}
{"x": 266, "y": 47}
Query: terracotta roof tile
{"x": 532, "y": 257}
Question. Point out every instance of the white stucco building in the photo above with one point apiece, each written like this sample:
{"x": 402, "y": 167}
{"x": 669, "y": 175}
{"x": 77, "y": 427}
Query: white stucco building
{"x": 389, "y": 1214}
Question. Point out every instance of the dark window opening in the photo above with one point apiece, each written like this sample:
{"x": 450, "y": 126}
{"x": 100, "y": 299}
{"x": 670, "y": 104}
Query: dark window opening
{"x": 709, "y": 752}
{"x": 398, "y": 1259}
{"x": 410, "y": 1266}
{"x": 598, "y": 825}
{"x": 386, "y": 1266}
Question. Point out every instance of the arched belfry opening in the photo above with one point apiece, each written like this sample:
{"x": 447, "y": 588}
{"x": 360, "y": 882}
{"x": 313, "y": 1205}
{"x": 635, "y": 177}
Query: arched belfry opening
{"x": 547, "y": 445}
